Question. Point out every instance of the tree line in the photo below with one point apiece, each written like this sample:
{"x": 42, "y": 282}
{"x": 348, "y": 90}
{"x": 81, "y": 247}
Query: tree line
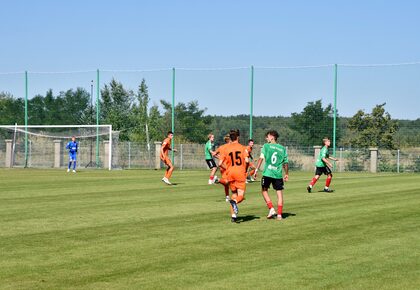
{"x": 132, "y": 114}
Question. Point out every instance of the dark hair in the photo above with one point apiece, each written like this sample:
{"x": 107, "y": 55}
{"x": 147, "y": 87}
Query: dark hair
{"x": 170, "y": 132}
{"x": 250, "y": 140}
{"x": 234, "y": 134}
{"x": 273, "y": 133}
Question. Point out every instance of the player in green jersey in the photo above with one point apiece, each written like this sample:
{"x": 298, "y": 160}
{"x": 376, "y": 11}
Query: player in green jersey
{"x": 209, "y": 153}
{"x": 276, "y": 160}
{"x": 323, "y": 166}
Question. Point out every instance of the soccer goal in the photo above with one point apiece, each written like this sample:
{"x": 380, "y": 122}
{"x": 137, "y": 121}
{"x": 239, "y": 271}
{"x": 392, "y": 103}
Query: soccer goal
{"x": 44, "y": 146}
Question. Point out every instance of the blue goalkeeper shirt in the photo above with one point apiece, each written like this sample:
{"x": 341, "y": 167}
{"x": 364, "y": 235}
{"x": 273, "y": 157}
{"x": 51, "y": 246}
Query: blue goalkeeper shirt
{"x": 72, "y": 147}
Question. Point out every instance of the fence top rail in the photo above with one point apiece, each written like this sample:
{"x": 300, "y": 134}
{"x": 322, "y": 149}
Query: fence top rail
{"x": 217, "y": 68}
{"x": 55, "y": 126}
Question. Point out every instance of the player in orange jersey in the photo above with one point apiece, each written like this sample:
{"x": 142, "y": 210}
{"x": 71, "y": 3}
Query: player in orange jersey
{"x": 224, "y": 179}
{"x": 235, "y": 160}
{"x": 251, "y": 167}
{"x": 166, "y": 146}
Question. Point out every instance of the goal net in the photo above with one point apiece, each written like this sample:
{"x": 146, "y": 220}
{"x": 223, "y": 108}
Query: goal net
{"x": 44, "y": 146}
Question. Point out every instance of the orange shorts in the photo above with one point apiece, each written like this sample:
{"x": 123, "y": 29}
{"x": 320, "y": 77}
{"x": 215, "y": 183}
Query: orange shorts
{"x": 167, "y": 161}
{"x": 235, "y": 185}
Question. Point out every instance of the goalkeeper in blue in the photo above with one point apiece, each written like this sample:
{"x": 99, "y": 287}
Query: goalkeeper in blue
{"x": 72, "y": 146}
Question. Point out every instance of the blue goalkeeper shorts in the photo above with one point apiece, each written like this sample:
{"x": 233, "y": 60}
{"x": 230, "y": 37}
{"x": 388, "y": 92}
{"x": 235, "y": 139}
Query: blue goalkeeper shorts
{"x": 72, "y": 157}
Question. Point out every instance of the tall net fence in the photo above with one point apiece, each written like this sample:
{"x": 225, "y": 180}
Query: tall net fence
{"x": 304, "y": 104}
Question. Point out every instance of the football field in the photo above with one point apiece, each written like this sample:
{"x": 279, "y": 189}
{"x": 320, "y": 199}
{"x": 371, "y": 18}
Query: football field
{"x": 128, "y": 230}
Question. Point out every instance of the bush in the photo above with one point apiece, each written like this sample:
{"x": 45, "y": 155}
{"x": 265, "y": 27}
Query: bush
{"x": 355, "y": 161}
{"x": 385, "y": 165}
{"x": 416, "y": 164}
{"x": 295, "y": 165}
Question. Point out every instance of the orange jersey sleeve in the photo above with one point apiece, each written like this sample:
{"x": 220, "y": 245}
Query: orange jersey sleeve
{"x": 219, "y": 151}
{"x": 249, "y": 149}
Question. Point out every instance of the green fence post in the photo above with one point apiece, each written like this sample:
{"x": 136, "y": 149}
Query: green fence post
{"x": 26, "y": 119}
{"x": 97, "y": 117}
{"x": 251, "y": 102}
{"x": 173, "y": 113}
{"x": 335, "y": 110}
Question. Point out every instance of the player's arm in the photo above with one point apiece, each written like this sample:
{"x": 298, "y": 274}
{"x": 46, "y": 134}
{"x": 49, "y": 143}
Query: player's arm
{"x": 217, "y": 153}
{"x": 259, "y": 162}
{"x": 68, "y": 146}
{"x": 222, "y": 165}
{"x": 246, "y": 159}
{"x": 286, "y": 171}
{"x": 162, "y": 148}
{"x": 325, "y": 160}
{"x": 333, "y": 158}
{"x": 286, "y": 167}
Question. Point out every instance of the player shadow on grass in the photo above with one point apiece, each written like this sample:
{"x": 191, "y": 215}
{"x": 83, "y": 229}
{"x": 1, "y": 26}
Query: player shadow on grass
{"x": 285, "y": 215}
{"x": 247, "y": 218}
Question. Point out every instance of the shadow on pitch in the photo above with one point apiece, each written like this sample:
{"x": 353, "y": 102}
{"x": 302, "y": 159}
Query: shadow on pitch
{"x": 247, "y": 218}
{"x": 286, "y": 215}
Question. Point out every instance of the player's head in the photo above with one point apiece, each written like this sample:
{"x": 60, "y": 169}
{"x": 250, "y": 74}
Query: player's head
{"x": 73, "y": 138}
{"x": 227, "y": 139}
{"x": 251, "y": 142}
{"x": 326, "y": 141}
{"x": 211, "y": 137}
{"x": 234, "y": 135}
{"x": 272, "y": 135}
{"x": 170, "y": 134}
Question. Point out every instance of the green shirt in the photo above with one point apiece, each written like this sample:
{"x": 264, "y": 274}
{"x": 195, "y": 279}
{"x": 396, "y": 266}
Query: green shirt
{"x": 322, "y": 154}
{"x": 207, "y": 148}
{"x": 275, "y": 156}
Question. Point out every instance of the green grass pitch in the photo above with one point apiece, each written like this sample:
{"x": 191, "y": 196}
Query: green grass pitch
{"x": 128, "y": 230}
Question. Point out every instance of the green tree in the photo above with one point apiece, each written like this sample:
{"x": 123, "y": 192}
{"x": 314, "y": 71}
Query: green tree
{"x": 156, "y": 129}
{"x": 75, "y": 107}
{"x": 376, "y": 129}
{"x": 141, "y": 114}
{"x": 313, "y": 123}
{"x": 191, "y": 125}
{"x": 116, "y": 108}
{"x": 11, "y": 109}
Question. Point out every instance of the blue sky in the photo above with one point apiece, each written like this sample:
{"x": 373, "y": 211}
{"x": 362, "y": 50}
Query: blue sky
{"x": 45, "y": 36}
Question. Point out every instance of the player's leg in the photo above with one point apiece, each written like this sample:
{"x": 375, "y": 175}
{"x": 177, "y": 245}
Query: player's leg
{"x": 223, "y": 181}
{"x": 70, "y": 160}
{"x": 328, "y": 181}
{"x": 241, "y": 196}
{"x": 278, "y": 185}
{"x": 74, "y": 163}
{"x": 265, "y": 185}
{"x": 251, "y": 171}
{"x": 233, "y": 209}
{"x": 314, "y": 179}
{"x": 279, "y": 204}
{"x": 168, "y": 164}
{"x": 170, "y": 169}
{"x": 213, "y": 167}
{"x": 226, "y": 187}
{"x": 237, "y": 194}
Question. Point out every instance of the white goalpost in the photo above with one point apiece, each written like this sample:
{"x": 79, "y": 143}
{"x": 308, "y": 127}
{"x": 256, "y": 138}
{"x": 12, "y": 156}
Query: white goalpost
{"x": 44, "y": 145}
